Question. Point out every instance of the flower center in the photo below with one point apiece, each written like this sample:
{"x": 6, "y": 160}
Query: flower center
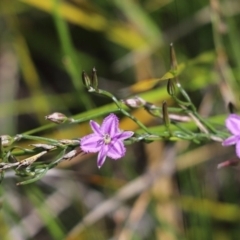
{"x": 107, "y": 138}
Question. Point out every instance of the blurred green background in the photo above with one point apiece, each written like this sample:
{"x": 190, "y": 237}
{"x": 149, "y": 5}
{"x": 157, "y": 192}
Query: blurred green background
{"x": 44, "y": 47}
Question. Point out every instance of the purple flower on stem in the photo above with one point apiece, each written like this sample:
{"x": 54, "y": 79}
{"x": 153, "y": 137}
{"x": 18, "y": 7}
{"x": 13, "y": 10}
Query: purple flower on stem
{"x": 106, "y": 139}
{"x": 233, "y": 125}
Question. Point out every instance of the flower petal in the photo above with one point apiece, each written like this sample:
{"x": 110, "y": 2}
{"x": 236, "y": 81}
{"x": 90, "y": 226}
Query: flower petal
{"x": 95, "y": 127}
{"x": 231, "y": 141}
{"x": 110, "y": 125}
{"x": 123, "y": 135}
{"x": 116, "y": 150}
{"x": 91, "y": 143}
{"x": 102, "y": 155}
{"x": 238, "y": 149}
{"x": 233, "y": 124}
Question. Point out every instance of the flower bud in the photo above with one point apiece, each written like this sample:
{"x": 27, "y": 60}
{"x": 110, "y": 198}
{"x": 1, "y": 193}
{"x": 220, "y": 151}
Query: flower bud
{"x": 152, "y": 109}
{"x": 135, "y": 102}
{"x": 228, "y": 163}
{"x": 149, "y": 106}
{"x": 57, "y": 118}
{"x": 165, "y": 114}
{"x": 173, "y": 58}
{"x": 86, "y": 80}
{"x": 171, "y": 87}
{"x": 6, "y": 140}
{"x": 94, "y": 79}
{"x": 231, "y": 107}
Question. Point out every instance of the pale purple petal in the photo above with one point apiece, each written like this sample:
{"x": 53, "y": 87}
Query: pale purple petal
{"x": 116, "y": 150}
{"x": 97, "y": 141}
{"x": 91, "y": 143}
{"x": 95, "y": 127}
{"x": 123, "y": 135}
{"x": 110, "y": 125}
{"x": 233, "y": 124}
{"x": 238, "y": 149}
{"x": 102, "y": 155}
{"x": 231, "y": 141}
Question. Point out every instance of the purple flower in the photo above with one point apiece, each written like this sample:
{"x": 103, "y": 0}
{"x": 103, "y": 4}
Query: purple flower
{"x": 106, "y": 139}
{"x": 233, "y": 125}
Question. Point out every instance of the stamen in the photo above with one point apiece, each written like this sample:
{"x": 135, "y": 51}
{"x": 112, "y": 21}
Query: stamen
{"x": 107, "y": 138}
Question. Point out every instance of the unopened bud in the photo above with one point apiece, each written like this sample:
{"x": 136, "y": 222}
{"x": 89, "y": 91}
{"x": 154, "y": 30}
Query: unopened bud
{"x": 152, "y": 109}
{"x": 86, "y": 80}
{"x": 94, "y": 79}
{"x": 165, "y": 114}
{"x": 231, "y": 107}
{"x": 228, "y": 163}
{"x": 6, "y": 140}
{"x": 57, "y": 118}
{"x": 135, "y": 102}
{"x": 149, "y": 106}
{"x": 173, "y": 58}
{"x": 171, "y": 87}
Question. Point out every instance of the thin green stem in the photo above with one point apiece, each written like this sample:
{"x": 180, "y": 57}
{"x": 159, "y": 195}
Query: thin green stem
{"x": 193, "y": 108}
{"x": 123, "y": 111}
{"x": 36, "y": 138}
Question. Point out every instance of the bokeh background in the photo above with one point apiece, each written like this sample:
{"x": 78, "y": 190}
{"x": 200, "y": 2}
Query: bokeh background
{"x": 44, "y": 47}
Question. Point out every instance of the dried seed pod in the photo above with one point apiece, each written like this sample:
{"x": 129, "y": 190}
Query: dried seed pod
{"x": 69, "y": 141}
{"x": 43, "y": 146}
{"x": 73, "y": 154}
